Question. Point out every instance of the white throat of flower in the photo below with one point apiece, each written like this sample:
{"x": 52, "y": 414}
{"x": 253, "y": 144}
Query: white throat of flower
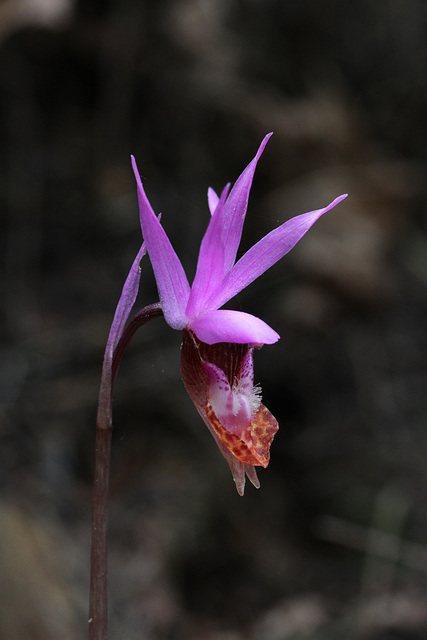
{"x": 234, "y": 405}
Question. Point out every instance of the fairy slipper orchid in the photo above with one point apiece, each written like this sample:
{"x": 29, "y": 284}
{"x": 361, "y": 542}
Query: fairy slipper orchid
{"x": 218, "y": 344}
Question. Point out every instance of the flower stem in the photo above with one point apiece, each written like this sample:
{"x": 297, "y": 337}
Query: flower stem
{"x": 98, "y": 600}
{"x": 140, "y": 318}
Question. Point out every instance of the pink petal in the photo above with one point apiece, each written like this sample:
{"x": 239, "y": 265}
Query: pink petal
{"x": 172, "y": 282}
{"x": 265, "y": 253}
{"x": 232, "y": 326}
{"x": 212, "y": 200}
{"x": 235, "y": 209}
{"x": 126, "y": 301}
{"x": 123, "y": 309}
{"x": 210, "y": 264}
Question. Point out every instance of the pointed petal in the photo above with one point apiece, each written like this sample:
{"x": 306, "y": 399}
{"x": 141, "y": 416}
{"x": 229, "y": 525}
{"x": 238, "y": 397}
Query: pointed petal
{"x": 210, "y": 264}
{"x": 123, "y": 309}
{"x": 126, "y": 301}
{"x": 239, "y": 470}
{"x": 171, "y": 280}
{"x": 252, "y": 475}
{"x": 265, "y": 253}
{"x": 235, "y": 208}
{"x": 226, "y": 325}
{"x": 212, "y": 200}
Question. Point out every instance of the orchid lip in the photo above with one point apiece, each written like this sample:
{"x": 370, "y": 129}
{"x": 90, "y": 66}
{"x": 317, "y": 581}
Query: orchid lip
{"x": 219, "y": 379}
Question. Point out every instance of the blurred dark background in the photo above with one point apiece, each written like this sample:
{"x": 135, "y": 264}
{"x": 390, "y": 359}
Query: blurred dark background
{"x": 333, "y": 545}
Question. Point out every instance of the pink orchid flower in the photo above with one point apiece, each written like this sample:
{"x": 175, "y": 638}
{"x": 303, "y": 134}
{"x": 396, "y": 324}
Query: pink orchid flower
{"x": 218, "y": 344}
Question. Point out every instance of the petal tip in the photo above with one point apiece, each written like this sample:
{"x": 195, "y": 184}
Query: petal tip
{"x": 240, "y": 489}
